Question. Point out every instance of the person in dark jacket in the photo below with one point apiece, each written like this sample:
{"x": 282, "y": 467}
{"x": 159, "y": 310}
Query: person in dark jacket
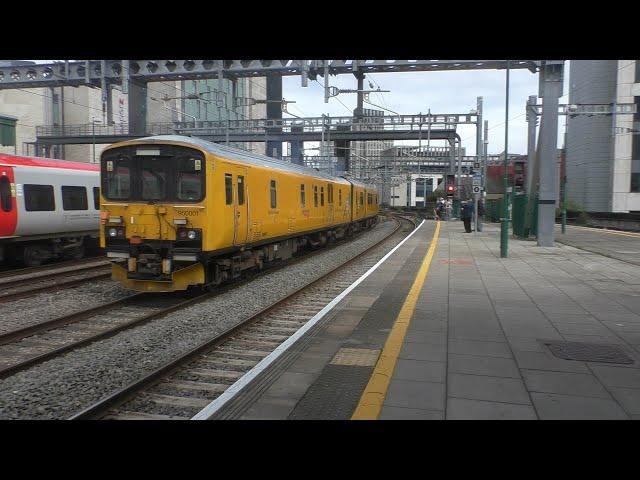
{"x": 466, "y": 214}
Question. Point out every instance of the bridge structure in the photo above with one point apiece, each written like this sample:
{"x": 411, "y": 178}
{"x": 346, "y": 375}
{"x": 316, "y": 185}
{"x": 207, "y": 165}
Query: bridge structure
{"x": 134, "y": 75}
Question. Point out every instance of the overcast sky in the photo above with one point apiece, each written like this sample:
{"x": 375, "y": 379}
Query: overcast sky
{"x": 442, "y": 92}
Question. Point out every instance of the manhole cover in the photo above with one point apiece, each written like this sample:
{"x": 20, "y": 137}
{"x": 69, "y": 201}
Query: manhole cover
{"x": 589, "y": 352}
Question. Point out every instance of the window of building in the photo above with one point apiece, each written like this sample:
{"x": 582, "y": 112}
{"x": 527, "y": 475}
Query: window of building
{"x": 39, "y": 198}
{"x": 96, "y": 198}
{"x": 322, "y": 196}
{"x": 274, "y": 199}
{"x": 635, "y": 176}
{"x": 5, "y": 194}
{"x": 228, "y": 188}
{"x": 74, "y": 198}
{"x": 240, "y": 190}
{"x": 303, "y": 200}
{"x": 315, "y": 195}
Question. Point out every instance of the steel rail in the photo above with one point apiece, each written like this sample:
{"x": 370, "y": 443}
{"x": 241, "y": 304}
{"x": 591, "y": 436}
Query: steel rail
{"x": 7, "y": 296}
{"x": 8, "y": 273}
{"x": 100, "y": 408}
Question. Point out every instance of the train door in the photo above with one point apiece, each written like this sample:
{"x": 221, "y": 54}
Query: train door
{"x": 8, "y": 204}
{"x": 330, "y": 203}
{"x": 240, "y": 205}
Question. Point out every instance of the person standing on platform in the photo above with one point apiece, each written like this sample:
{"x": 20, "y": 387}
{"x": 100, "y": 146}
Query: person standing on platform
{"x": 466, "y": 213}
{"x": 439, "y": 212}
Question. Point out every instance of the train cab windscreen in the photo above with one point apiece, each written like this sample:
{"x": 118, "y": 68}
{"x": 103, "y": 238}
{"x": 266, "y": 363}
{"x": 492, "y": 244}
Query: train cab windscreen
{"x": 151, "y": 176}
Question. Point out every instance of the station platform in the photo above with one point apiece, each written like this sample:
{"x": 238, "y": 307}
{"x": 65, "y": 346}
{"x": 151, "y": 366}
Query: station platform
{"x": 446, "y": 329}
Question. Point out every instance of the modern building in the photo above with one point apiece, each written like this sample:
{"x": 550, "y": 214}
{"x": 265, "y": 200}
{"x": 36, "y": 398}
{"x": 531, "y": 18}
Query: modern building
{"x": 603, "y": 151}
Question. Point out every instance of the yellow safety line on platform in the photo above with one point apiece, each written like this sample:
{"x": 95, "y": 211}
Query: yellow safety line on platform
{"x": 374, "y": 394}
{"x": 612, "y": 232}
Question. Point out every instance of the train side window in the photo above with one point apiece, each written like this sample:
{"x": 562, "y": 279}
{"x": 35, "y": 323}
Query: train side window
{"x": 96, "y": 198}
{"x": 303, "y": 199}
{"x": 361, "y": 198}
{"x": 274, "y": 198}
{"x": 228, "y": 188}
{"x": 5, "y": 194}
{"x": 240, "y": 190}
{"x": 74, "y": 198}
{"x": 39, "y": 198}
{"x": 330, "y": 194}
{"x": 315, "y": 195}
{"x": 339, "y": 197}
{"x": 322, "y": 196}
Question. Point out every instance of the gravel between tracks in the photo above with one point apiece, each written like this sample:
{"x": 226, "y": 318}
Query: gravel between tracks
{"x": 62, "y": 386}
{"x": 48, "y": 305}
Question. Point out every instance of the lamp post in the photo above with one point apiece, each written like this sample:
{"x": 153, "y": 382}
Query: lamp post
{"x": 504, "y": 226}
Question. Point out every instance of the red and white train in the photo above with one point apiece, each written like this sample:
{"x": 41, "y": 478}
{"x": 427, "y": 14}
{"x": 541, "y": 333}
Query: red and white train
{"x": 48, "y": 209}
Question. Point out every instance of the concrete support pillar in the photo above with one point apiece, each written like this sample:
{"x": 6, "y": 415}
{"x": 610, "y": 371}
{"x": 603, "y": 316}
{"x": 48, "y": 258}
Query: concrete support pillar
{"x": 532, "y": 171}
{"x": 343, "y": 153}
{"x": 274, "y": 112}
{"x": 551, "y": 76}
{"x": 137, "y": 107}
{"x": 297, "y": 147}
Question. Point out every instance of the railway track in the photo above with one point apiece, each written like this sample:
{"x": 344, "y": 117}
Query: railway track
{"x": 183, "y": 386}
{"x": 23, "y": 283}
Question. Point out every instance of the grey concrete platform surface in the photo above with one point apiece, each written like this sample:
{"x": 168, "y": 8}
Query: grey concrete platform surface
{"x": 548, "y": 333}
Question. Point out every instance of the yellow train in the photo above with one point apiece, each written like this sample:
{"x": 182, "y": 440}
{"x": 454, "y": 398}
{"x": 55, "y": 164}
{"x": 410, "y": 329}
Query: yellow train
{"x": 179, "y": 211}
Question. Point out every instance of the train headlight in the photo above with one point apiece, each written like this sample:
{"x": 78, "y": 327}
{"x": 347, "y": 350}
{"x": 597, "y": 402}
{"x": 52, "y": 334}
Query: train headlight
{"x": 188, "y": 234}
{"x": 115, "y": 232}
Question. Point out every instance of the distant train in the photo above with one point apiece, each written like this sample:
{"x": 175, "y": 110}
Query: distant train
{"x": 179, "y": 211}
{"x": 48, "y": 209}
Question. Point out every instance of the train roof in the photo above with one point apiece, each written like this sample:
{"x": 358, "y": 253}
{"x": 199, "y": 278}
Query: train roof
{"x": 235, "y": 154}
{"x": 20, "y": 161}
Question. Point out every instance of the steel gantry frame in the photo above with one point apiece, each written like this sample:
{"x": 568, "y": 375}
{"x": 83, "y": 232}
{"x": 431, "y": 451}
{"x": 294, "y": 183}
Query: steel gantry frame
{"x": 133, "y": 75}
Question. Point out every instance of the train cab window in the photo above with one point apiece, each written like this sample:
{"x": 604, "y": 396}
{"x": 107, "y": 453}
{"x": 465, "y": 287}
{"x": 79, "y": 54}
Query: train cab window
{"x": 322, "y": 196}
{"x": 96, "y": 198}
{"x": 74, "y": 198}
{"x": 315, "y": 195}
{"x": 303, "y": 199}
{"x": 5, "y": 194}
{"x": 189, "y": 176}
{"x": 274, "y": 199}
{"x": 228, "y": 188}
{"x": 116, "y": 177}
{"x": 39, "y": 198}
{"x": 340, "y": 197}
{"x": 153, "y": 172}
{"x": 240, "y": 190}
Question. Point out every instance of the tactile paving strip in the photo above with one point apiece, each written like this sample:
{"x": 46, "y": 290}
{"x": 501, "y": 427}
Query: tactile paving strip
{"x": 589, "y": 352}
{"x": 360, "y": 357}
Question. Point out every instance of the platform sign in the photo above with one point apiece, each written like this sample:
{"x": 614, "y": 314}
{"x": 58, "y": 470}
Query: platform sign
{"x": 477, "y": 179}
{"x": 476, "y": 189}
{"x": 476, "y": 165}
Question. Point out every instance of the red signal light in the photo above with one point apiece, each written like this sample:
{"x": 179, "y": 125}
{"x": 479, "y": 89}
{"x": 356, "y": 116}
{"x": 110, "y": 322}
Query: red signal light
{"x": 450, "y": 188}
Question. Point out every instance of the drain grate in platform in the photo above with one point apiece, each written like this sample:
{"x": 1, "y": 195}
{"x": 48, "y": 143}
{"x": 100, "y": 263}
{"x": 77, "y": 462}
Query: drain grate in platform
{"x": 589, "y": 352}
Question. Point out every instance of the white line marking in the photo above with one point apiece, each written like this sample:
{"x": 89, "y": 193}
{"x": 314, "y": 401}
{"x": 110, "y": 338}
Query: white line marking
{"x": 208, "y": 411}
